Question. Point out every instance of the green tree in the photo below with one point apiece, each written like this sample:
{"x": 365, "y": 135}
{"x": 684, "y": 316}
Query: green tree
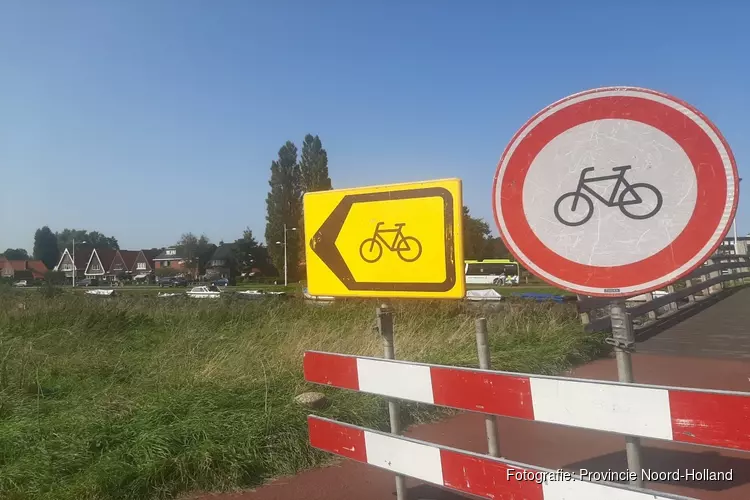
{"x": 205, "y": 252}
{"x": 476, "y": 236}
{"x": 313, "y": 166}
{"x": 245, "y": 252}
{"x": 250, "y": 254}
{"x": 45, "y": 247}
{"x": 314, "y": 176}
{"x": 284, "y": 206}
{"x": 495, "y": 249}
{"x": 16, "y": 254}
{"x": 193, "y": 248}
{"x": 84, "y": 239}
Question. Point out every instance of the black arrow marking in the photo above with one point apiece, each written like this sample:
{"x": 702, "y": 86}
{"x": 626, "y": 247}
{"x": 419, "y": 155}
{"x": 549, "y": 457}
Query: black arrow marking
{"x": 323, "y": 242}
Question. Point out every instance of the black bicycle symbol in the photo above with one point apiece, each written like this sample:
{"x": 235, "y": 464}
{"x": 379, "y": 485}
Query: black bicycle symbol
{"x": 622, "y": 203}
{"x": 408, "y": 248}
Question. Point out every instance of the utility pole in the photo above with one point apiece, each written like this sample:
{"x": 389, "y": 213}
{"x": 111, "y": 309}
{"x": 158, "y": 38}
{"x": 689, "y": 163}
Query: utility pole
{"x": 286, "y": 274}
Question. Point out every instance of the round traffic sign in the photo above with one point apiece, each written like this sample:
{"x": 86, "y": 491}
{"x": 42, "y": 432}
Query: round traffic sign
{"x": 615, "y": 191}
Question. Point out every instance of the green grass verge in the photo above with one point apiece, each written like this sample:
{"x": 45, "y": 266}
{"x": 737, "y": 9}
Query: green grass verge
{"x": 133, "y": 398}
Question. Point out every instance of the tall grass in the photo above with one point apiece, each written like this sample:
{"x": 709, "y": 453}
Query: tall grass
{"x": 139, "y": 397}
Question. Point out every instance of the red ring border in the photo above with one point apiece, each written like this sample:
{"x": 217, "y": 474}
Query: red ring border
{"x": 705, "y": 219}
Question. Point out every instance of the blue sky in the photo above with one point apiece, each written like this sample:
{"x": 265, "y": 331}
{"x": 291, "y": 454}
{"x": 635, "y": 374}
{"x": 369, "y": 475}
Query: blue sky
{"x": 144, "y": 120}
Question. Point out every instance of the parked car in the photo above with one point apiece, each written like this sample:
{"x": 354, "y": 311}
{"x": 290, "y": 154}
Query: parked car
{"x": 87, "y": 282}
{"x": 221, "y": 282}
{"x": 21, "y": 283}
{"x": 173, "y": 282}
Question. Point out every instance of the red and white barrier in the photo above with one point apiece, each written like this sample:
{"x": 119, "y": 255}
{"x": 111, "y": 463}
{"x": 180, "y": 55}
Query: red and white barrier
{"x": 479, "y": 475}
{"x": 710, "y": 418}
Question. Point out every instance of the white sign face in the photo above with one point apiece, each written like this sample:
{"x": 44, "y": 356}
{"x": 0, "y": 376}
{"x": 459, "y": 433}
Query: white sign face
{"x": 615, "y": 192}
{"x": 624, "y": 208}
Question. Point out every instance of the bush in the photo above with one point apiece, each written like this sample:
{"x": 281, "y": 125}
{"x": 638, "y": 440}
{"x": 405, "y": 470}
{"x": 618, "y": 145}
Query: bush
{"x": 55, "y": 278}
{"x": 50, "y": 290}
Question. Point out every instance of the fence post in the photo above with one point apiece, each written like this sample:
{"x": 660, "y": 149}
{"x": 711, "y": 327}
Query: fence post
{"x": 672, "y": 305}
{"x": 385, "y": 327}
{"x": 651, "y": 314}
{"x": 719, "y": 286}
{"x": 623, "y": 341}
{"x": 585, "y": 318}
{"x": 711, "y": 289}
{"x": 483, "y": 350}
{"x": 688, "y": 284}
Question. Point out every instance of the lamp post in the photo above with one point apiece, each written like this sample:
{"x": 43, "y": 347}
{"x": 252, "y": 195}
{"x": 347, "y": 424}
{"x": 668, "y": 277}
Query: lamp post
{"x": 286, "y": 282}
{"x": 75, "y": 270}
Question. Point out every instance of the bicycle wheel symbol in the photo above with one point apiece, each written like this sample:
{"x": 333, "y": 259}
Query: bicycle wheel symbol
{"x": 408, "y": 248}
{"x": 637, "y": 201}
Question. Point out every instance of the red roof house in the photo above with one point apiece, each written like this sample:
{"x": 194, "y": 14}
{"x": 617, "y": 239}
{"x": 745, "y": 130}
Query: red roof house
{"x": 22, "y": 269}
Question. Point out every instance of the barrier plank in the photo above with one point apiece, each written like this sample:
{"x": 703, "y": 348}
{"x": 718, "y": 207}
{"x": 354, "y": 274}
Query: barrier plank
{"x": 463, "y": 471}
{"x": 710, "y": 418}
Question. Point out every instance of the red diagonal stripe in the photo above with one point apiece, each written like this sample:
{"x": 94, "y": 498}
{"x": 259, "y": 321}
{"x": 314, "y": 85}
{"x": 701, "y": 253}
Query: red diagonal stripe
{"x": 336, "y": 438}
{"x": 488, "y": 479}
{"x": 710, "y": 419}
{"x": 483, "y": 392}
{"x": 329, "y": 369}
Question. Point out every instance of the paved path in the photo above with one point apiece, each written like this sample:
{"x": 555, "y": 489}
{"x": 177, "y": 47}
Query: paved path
{"x": 720, "y": 330}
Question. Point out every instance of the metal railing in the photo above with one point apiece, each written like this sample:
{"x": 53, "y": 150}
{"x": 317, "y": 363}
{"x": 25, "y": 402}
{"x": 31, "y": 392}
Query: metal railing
{"x": 717, "y": 274}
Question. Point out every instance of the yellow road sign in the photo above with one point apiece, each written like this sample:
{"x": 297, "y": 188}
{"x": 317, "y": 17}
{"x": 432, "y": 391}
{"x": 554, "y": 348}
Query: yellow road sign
{"x": 399, "y": 240}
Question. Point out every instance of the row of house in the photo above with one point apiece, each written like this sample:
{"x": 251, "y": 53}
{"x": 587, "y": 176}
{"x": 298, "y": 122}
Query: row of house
{"x": 114, "y": 265}
{"x": 22, "y": 269}
{"x": 107, "y": 264}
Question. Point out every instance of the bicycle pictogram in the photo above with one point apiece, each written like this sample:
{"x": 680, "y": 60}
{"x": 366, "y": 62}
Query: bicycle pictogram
{"x": 408, "y": 248}
{"x": 621, "y": 196}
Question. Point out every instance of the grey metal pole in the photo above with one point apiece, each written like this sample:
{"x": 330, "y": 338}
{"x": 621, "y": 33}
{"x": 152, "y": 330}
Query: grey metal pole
{"x": 285, "y": 264}
{"x": 74, "y": 262}
{"x": 623, "y": 341}
{"x": 483, "y": 350}
{"x": 385, "y": 327}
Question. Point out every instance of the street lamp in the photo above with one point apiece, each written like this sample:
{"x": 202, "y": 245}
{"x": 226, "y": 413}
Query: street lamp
{"x": 75, "y": 270}
{"x": 286, "y": 282}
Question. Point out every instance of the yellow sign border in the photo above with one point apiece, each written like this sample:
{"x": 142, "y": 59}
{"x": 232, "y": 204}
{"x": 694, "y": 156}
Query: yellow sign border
{"x": 322, "y": 256}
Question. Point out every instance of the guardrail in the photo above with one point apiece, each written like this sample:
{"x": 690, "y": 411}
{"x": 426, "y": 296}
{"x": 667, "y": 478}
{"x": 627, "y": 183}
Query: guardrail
{"x": 701, "y": 417}
{"x": 703, "y": 283}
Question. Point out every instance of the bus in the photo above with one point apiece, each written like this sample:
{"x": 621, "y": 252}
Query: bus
{"x": 492, "y": 272}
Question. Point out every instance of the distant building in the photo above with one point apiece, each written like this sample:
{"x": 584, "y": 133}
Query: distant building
{"x": 77, "y": 268}
{"x": 220, "y": 264}
{"x": 170, "y": 257}
{"x": 22, "y": 269}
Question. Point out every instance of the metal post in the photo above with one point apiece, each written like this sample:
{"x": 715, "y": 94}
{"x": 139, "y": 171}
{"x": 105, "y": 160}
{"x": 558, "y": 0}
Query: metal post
{"x": 74, "y": 263}
{"x": 385, "y": 327}
{"x": 285, "y": 264}
{"x": 623, "y": 341}
{"x": 713, "y": 288}
{"x": 585, "y": 318}
{"x": 651, "y": 314}
{"x": 672, "y": 305}
{"x": 688, "y": 284}
{"x": 483, "y": 350}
